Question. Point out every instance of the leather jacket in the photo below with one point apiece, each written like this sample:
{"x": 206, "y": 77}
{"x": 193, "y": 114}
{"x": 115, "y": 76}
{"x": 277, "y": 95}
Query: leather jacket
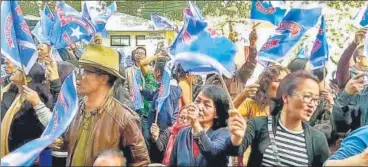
{"x": 116, "y": 126}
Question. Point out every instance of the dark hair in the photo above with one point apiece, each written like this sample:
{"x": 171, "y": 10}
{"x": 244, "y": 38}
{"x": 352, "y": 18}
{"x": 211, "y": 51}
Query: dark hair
{"x": 112, "y": 153}
{"x": 112, "y": 78}
{"x": 140, "y": 47}
{"x": 37, "y": 73}
{"x": 160, "y": 65}
{"x": 64, "y": 69}
{"x": 297, "y": 64}
{"x": 320, "y": 73}
{"x": 180, "y": 73}
{"x": 287, "y": 87}
{"x": 221, "y": 101}
{"x": 265, "y": 80}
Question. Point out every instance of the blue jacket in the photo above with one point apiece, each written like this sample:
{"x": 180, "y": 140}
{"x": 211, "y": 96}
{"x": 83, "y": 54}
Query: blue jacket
{"x": 352, "y": 145}
{"x": 169, "y": 110}
{"x": 212, "y": 146}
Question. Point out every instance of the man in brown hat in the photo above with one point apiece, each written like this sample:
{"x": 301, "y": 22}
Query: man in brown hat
{"x": 102, "y": 122}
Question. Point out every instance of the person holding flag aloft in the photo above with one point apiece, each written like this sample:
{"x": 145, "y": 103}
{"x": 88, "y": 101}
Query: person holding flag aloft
{"x": 23, "y": 125}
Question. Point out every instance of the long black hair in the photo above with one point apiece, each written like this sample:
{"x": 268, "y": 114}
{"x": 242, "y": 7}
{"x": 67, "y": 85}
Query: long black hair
{"x": 221, "y": 101}
{"x": 287, "y": 87}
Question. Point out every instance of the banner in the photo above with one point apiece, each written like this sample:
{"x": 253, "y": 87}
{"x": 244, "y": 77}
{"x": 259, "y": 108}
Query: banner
{"x": 70, "y": 28}
{"x": 16, "y": 39}
{"x": 319, "y": 54}
{"x": 200, "y": 50}
{"x": 63, "y": 113}
{"x": 290, "y": 31}
{"x": 161, "y": 23}
{"x": 265, "y": 11}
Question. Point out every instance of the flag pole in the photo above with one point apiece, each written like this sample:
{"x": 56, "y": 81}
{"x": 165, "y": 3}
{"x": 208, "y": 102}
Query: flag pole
{"x": 227, "y": 92}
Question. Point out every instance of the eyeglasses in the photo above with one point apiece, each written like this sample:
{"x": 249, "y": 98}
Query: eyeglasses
{"x": 308, "y": 99}
{"x": 140, "y": 53}
{"x": 81, "y": 71}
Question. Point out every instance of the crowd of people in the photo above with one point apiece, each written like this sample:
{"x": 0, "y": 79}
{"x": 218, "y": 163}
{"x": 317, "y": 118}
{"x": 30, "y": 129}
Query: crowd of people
{"x": 291, "y": 116}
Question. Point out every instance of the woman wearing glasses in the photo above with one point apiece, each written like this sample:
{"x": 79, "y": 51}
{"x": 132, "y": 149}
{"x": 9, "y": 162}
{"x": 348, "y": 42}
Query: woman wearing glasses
{"x": 283, "y": 139}
{"x": 165, "y": 140}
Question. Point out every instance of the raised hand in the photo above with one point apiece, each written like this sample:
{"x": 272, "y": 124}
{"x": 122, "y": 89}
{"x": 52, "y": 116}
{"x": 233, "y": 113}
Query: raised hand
{"x": 237, "y": 126}
{"x": 155, "y": 131}
{"x": 355, "y": 85}
{"x": 31, "y": 96}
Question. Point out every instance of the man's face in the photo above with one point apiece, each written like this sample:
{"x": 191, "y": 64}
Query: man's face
{"x": 43, "y": 52}
{"x": 9, "y": 66}
{"x": 139, "y": 54}
{"x": 88, "y": 80}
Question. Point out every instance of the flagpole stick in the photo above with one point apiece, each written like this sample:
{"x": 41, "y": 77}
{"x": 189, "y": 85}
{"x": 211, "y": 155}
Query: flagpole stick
{"x": 324, "y": 75}
{"x": 227, "y": 92}
{"x": 191, "y": 89}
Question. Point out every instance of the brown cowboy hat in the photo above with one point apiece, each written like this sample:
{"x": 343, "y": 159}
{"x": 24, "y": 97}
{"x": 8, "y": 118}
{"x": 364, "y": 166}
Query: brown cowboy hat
{"x": 100, "y": 57}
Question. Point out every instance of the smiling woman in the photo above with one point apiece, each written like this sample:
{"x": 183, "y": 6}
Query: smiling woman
{"x": 284, "y": 138}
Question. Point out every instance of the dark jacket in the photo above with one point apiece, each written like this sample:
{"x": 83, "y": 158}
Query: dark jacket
{"x": 350, "y": 112}
{"x": 257, "y": 137}
{"x": 212, "y": 148}
{"x": 25, "y": 126}
{"x": 169, "y": 110}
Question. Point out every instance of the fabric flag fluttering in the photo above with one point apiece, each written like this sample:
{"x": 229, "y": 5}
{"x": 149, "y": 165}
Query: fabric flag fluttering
{"x": 164, "y": 87}
{"x": 44, "y": 27}
{"x": 361, "y": 19}
{"x": 16, "y": 39}
{"x": 161, "y": 23}
{"x": 99, "y": 19}
{"x": 319, "y": 54}
{"x": 199, "y": 49}
{"x": 264, "y": 11}
{"x": 195, "y": 12}
{"x": 70, "y": 28}
{"x": 290, "y": 31}
{"x": 63, "y": 113}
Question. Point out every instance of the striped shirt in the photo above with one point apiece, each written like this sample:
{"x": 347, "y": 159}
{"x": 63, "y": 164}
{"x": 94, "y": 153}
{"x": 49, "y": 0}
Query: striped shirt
{"x": 291, "y": 148}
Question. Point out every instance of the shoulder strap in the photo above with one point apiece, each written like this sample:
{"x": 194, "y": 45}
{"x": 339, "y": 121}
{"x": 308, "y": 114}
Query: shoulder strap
{"x": 273, "y": 142}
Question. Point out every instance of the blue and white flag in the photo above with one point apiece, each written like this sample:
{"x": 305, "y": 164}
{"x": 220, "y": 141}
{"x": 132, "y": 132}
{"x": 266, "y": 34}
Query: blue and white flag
{"x": 164, "y": 89}
{"x": 99, "y": 18}
{"x": 70, "y": 28}
{"x": 265, "y": 11}
{"x": 196, "y": 13}
{"x": 63, "y": 113}
{"x": 361, "y": 19}
{"x": 161, "y": 23}
{"x": 85, "y": 11}
{"x": 199, "y": 49}
{"x": 16, "y": 39}
{"x": 43, "y": 28}
{"x": 319, "y": 54}
{"x": 290, "y": 31}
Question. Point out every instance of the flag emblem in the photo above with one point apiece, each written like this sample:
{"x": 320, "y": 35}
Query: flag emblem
{"x": 293, "y": 27}
{"x": 263, "y": 9}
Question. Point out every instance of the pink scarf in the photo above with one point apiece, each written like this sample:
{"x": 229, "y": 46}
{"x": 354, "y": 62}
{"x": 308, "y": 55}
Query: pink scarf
{"x": 174, "y": 130}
